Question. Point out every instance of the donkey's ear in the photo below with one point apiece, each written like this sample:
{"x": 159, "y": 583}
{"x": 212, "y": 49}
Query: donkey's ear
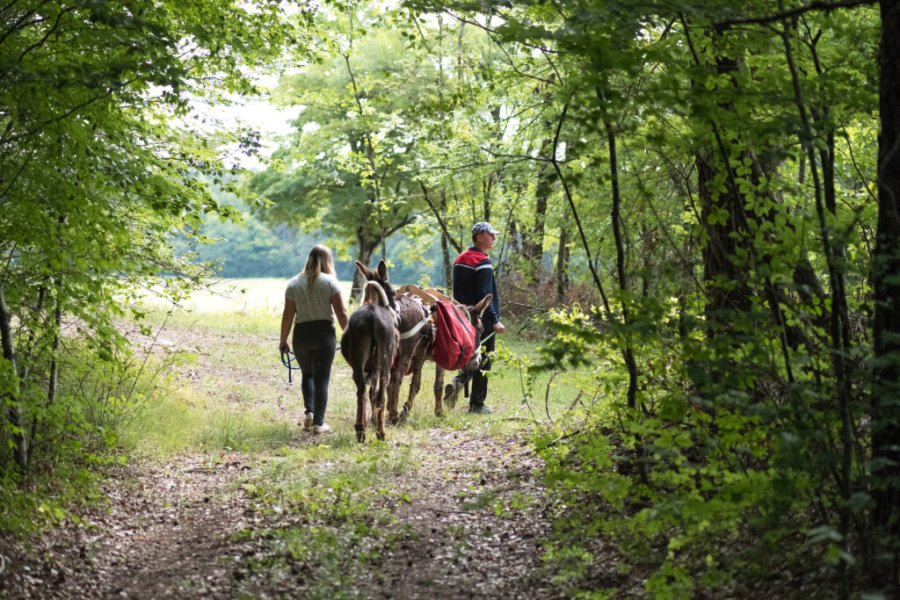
{"x": 364, "y": 270}
{"x": 482, "y": 306}
{"x": 382, "y": 270}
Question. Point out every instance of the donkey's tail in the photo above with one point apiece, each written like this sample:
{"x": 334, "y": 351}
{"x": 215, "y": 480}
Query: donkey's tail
{"x": 374, "y": 294}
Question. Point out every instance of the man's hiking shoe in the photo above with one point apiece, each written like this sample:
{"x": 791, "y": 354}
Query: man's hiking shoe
{"x": 323, "y": 428}
{"x": 480, "y": 410}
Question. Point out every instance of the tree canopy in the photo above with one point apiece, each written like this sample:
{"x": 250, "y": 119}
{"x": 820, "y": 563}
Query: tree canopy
{"x": 697, "y": 201}
{"x": 102, "y": 160}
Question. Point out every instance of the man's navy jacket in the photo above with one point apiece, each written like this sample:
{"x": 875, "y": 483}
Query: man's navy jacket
{"x": 473, "y": 279}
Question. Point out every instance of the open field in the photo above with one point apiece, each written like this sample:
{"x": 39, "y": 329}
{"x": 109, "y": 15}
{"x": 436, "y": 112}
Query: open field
{"x": 228, "y": 296}
{"x": 235, "y": 326}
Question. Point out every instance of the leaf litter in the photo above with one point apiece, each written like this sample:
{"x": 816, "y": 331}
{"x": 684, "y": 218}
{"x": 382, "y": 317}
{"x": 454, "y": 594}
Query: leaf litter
{"x": 467, "y": 522}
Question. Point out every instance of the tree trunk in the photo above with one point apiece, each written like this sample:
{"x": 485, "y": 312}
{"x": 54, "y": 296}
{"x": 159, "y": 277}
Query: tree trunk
{"x": 562, "y": 260}
{"x": 726, "y": 284}
{"x": 886, "y": 328}
{"x": 445, "y": 247}
{"x": 364, "y": 255}
{"x": 621, "y": 271}
{"x": 53, "y": 381}
{"x": 494, "y": 179}
{"x": 10, "y": 396}
{"x": 515, "y": 237}
{"x": 533, "y": 242}
{"x": 721, "y": 214}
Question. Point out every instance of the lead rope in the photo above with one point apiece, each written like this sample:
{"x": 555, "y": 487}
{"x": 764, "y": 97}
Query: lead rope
{"x": 290, "y": 361}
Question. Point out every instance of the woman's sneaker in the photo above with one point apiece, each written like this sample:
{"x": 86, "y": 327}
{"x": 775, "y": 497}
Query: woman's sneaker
{"x": 323, "y": 428}
{"x": 308, "y": 422}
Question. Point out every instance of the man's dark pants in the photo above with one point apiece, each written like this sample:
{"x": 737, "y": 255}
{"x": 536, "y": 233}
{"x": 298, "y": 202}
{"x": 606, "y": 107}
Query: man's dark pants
{"x": 479, "y": 379}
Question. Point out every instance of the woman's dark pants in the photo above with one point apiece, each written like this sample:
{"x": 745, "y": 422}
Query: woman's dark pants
{"x": 314, "y": 345}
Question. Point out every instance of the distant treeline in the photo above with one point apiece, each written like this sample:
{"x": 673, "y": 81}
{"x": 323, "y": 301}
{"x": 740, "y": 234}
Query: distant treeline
{"x": 253, "y": 249}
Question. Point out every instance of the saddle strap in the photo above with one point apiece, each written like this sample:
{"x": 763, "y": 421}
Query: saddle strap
{"x": 414, "y": 330}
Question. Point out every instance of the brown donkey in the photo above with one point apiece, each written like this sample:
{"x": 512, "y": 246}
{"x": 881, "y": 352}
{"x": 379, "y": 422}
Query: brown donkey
{"x": 416, "y": 342}
{"x": 369, "y": 346}
{"x": 409, "y": 360}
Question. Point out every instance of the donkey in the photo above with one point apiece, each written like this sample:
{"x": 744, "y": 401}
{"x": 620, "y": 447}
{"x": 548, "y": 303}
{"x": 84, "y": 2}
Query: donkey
{"x": 416, "y": 332}
{"x": 417, "y": 336}
{"x": 475, "y": 312}
{"x": 369, "y": 346}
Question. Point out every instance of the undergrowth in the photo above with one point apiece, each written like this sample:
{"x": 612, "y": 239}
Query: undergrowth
{"x": 326, "y": 514}
{"x": 76, "y": 436}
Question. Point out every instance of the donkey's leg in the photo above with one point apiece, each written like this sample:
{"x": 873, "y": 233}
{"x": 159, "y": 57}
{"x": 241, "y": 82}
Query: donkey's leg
{"x": 380, "y": 402}
{"x": 360, "y": 411}
{"x": 439, "y": 390}
{"x": 373, "y": 401}
{"x": 398, "y": 371}
{"x": 415, "y": 384}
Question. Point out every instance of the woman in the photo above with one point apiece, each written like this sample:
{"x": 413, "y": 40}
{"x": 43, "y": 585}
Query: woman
{"x": 311, "y": 301}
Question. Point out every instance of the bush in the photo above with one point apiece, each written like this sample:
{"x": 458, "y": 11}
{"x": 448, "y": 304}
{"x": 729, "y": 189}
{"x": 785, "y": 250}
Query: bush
{"x": 73, "y": 431}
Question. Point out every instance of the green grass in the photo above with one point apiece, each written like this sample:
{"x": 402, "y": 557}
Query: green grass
{"x": 183, "y": 422}
{"x": 342, "y": 493}
{"x": 257, "y": 322}
{"x": 264, "y": 295}
{"x": 242, "y": 400}
{"x": 222, "y": 388}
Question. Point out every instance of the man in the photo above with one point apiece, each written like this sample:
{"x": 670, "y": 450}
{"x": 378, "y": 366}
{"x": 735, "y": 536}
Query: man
{"x": 473, "y": 279}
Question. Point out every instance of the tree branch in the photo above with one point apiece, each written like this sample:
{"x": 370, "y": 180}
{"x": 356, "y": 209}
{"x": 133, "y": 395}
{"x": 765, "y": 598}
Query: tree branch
{"x": 571, "y": 200}
{"x": 440, "y": 220}
{"x": 795, "y": 12}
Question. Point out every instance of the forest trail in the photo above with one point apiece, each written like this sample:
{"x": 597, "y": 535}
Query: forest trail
{"x": 463, "y": 516}
{"x": 172, "y": 531}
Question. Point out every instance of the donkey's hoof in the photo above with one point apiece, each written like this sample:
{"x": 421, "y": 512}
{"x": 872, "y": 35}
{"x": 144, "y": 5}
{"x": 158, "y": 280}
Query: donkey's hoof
{"x": 450, "y": 393}
{"x": 380, "y": 435}
{"x": 404, "y": 416}
{"x": 395, "y": 419}
{"x": 360, "y": 436}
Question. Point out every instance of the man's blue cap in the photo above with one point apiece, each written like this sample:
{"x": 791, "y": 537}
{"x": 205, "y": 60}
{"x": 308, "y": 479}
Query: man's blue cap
{"x": 483, "y": 227}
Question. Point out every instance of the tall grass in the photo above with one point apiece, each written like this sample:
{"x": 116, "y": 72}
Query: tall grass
{"x": 232, "y": 391}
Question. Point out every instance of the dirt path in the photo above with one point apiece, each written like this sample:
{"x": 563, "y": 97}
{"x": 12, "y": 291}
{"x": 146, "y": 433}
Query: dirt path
{"x": 465, "y": 548}
{"x": 159, "y": 536}
{"x": 169, "y": 532}
{"x": 470, "y": 523}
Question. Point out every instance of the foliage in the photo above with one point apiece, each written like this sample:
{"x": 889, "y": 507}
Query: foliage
{"x": 389, "y": 134}
{"x": 77, "y": 436}
{"x": 344, "y": 170}
{"x": 103, "y": 159}
{"x": 718, "y": 165}
{"x": 717, "y": 175}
